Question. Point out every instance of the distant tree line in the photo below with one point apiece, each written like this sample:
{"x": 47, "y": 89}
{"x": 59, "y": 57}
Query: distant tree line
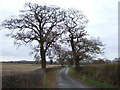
{"x": 100, "y": 61}
{"x": 30, "y": 62}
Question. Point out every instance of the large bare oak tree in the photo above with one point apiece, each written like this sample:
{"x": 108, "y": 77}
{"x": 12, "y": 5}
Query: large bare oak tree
{"x": 39, "y": 23}
{"x": 82, "y": 47}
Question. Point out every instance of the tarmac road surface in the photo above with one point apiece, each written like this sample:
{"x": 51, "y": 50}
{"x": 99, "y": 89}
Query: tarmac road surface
{"x": 65, "y": 81}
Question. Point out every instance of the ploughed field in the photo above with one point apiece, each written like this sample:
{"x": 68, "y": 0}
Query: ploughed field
{"x": 13, "y": 68}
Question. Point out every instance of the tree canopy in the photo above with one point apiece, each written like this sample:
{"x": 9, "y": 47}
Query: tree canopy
{"x": 36, "y": 23}
{"x": 52, "y": 26}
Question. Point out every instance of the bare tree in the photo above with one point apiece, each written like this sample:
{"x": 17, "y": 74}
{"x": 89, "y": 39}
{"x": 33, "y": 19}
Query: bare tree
{"x": 62, "y": 58}
{"x": 82, "y": 48}
{"x": 75, "y": 23}
{"x": 37, "y": 23}
{"x": 88, "y": 49}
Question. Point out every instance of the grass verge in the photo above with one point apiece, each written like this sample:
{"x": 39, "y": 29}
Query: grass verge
{"x": 45, "y": 82}
{"x": 85, "y": 79}
{"x": 97, "y": 84}
{"x": 50, "y": 79}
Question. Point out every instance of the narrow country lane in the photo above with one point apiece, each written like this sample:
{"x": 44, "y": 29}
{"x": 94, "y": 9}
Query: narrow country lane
{"x": 64, "y": 81}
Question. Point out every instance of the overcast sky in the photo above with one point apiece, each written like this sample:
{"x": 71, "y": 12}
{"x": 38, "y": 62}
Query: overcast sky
{"x": 103, "y": 23}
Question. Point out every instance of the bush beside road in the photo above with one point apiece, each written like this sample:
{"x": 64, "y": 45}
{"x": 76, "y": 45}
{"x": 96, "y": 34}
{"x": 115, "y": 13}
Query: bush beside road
{"x": 103, "y": 75}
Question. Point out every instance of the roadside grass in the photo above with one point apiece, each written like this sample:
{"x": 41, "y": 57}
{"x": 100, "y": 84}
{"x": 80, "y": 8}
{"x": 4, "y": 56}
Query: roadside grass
{"x": 50, "y": 78}
{"x": 45, "y": 82}
{"x": 97, "y": 84}
{"x": 85, "y": 79}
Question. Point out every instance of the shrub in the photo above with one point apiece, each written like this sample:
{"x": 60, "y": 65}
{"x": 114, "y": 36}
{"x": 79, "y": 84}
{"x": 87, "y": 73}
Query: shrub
{"x": 106, "y": 73}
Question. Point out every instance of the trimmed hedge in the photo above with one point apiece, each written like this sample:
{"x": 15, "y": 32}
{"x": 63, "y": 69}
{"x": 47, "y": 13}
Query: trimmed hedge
{"x": 106, "y": 73}
{"x": 33, "y": 79}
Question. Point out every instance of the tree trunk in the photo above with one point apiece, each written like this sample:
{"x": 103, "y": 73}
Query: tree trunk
{"x": 43, "y": 59}
{"x": 62, "y": 65}
{"x": 75, "y": 57}
{"x": 77, "y": 64}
